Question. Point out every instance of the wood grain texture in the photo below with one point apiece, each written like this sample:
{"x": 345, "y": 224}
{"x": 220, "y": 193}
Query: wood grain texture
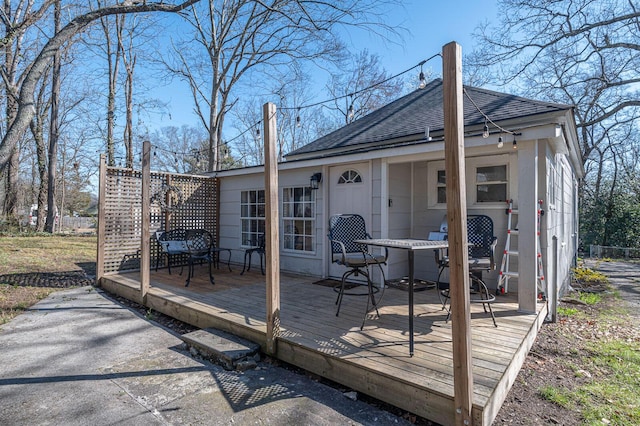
{"x": 374, "y": 360}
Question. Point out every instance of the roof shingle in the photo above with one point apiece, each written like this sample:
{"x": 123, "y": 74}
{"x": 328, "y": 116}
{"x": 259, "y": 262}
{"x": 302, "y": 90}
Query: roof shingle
{"x": 410, "y": 115}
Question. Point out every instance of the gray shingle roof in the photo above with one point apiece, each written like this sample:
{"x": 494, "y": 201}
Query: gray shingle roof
{"x": 408, "y": 117}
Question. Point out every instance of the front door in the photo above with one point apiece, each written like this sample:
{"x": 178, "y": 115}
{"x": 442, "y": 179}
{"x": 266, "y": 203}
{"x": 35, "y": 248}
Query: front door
{"x": 349, "y": 192}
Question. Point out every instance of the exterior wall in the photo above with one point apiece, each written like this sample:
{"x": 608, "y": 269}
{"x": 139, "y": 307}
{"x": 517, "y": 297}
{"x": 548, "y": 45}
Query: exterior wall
{"x": 428, "y": 214}
{"x": 404, "y": 204}
{"x": 398, "y": 204}
{"x": 230, "y": 223}
{"x": 560, "y": 225}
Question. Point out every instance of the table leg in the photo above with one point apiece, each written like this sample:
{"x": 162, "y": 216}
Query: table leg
{"x": 410, "y": 302}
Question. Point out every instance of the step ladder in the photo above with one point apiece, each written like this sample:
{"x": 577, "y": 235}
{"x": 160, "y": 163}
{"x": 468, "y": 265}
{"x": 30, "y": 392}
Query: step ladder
{"x": 505, "y": 272}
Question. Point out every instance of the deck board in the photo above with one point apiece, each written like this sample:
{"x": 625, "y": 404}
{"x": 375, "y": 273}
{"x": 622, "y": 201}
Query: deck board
{"x": 374, "y": 360}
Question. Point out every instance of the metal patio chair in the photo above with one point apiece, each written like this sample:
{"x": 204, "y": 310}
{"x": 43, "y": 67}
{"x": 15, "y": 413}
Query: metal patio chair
{"x": 172, "y": 243}
{"x": 199, "y": 243}
{"x": 344, "y": 230}
{"x": 482, "y": 247}
{"x": 258, "y": 247}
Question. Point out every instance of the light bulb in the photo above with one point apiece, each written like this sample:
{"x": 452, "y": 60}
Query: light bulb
{"x": 298, "y": 121}
{"x": 485, "y": 132}
{"x": 500, "y": 143}
{"x": 423, "y": 81}
{"x": 352, "y": 112}
{"x": 515, "y": 144}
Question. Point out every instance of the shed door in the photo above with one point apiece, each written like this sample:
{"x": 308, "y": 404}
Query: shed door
{"x": 349, "y": 193}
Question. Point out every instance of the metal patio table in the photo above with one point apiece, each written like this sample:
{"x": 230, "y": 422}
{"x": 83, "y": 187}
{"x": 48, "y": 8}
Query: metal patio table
{"x": 411, "y": 245}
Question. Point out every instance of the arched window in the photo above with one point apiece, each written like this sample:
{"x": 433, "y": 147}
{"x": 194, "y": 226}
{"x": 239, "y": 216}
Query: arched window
{"x": 350, "y": 176}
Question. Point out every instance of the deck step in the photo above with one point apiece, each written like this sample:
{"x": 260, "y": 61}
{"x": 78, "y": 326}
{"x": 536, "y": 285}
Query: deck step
{"x": 219, "y": 347}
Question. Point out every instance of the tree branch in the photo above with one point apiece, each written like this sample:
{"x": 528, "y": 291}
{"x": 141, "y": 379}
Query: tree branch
{"x": 35, "y": 72}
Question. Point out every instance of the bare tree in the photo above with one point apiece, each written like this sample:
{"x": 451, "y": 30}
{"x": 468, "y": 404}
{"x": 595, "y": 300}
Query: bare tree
{"x": 179, "y": 149}
{"x": 111, "y": 49}
{"x": 577, "y": 52}
{"x": 129, "y": 58}
{"x": 580, "y": 52}
{"x": 53, "y": 129}
{"x": 37, "y": 126}
{"x": 236, "y": 37}
{"x": 363, "y": 87}
{"x": 16, "y": 19}
{"x": 35, "y": 69}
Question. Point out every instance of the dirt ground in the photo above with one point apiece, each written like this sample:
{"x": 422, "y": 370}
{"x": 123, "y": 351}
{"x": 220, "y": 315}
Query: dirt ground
{"x": 561, "y": 341}
{"x": 546, "y": 363}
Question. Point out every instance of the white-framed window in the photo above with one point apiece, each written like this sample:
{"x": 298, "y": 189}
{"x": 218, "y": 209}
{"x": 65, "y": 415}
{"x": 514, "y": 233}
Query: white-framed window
{"x": 350, "y": 176}
{"x": 252, "y": 208}
{"x": 552, "y": 182}
{"x": 441, "y": 187}
{"x": 298, "y": 219}
{"x": 491, "y": 184}
{"x": 486, "y": 179}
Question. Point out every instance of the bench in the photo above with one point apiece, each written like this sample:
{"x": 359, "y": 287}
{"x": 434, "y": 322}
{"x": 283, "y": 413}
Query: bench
{"x": 174, "y": 243}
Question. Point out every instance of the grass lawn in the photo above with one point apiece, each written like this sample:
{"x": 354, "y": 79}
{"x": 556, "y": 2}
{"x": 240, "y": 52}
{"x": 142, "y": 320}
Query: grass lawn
{"x": 32, "y": 267}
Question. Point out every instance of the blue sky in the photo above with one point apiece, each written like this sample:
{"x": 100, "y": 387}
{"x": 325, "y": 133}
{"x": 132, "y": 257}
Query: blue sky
{"x": 430, "y": 24}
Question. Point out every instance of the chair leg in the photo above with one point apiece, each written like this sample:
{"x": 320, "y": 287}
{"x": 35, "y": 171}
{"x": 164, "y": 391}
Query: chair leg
{"x": 229, "y": 261}
{"x": 211, "y": 280}
{"x": 244, "y": 267}
{"x": 369, "y": 296}
{"x": 443, "y": 300}
{"x": 190, "y": 273}
{"x": 262, "y": 263}
{"x": 341, "y": 292}
{"x": 484, "y": 292}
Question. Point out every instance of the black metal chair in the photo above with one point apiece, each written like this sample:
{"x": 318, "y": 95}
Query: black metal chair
{"x": 199, "y": 243}
{"x": 258, "y": 247}
{"x": 344, "y": 230}
{"x": 172, "y": 243}
{"x": 215, "y": 252}
{"x": 482, "y": 247}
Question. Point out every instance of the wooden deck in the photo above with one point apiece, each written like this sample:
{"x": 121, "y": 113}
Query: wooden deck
{"x": 374, "y": 361}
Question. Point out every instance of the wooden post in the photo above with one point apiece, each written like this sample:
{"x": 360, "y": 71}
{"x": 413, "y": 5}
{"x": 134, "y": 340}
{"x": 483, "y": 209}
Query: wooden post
{"x": 527, "y": 226}
{"x": 102, "y": 195}
{"x": 272, "y": 246}
{"x": 145, "y": 249}
{"x": 457, "y": 221}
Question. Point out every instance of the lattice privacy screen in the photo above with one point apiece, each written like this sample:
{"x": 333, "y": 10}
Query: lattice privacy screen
{"x": 177, "y": 201}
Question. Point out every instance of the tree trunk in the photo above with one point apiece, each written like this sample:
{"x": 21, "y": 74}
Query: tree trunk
{"x": 9, "y": 207}
{"x": 35, "y": 71}
{"x": 53, "y": 131}
{"x": 41, "y": 154}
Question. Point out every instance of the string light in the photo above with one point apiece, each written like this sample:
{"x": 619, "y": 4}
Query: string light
{"x": 487, "y": 120}
{"x": 423, "y": 81}
{"x": 350, "y": 113}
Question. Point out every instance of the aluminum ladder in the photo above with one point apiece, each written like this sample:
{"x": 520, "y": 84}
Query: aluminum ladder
{"x": 505, "y": 272}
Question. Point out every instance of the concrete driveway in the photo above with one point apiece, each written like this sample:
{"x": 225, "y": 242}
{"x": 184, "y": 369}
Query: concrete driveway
{"x": 78, "y": 358}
